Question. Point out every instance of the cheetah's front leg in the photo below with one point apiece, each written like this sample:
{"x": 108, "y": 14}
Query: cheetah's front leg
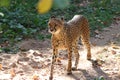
{"x": 69, "y": 61}
{"x": 54, "y": 56}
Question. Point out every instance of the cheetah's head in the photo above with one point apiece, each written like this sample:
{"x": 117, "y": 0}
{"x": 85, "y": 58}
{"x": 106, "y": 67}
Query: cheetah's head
{"x": 55, "y": 25}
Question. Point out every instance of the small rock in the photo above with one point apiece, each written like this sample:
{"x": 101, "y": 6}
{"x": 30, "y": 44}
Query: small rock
{"x": 117, "y": 35}
{"x": 35, "y": 65}
{"x": 19, "y": 72}
{"x": 48, "y": 60}
{"x": 5, "y": 67}
{"x": 38, "y": 59}
{"x": 37, "y": 54}
{"x": 97, "y": 32}
{"x": 98, "y": 36}
{"x": 1, "y": 59}
{"x": 31, "y": 51}
{"x": 24, "y": 59}
{"x": 94, "y": 44}
{"x": 22, "y": 54}
{"x": 12, "y": 65}
{"x": 106, "y": 29}
{"x": 113, "y": 52}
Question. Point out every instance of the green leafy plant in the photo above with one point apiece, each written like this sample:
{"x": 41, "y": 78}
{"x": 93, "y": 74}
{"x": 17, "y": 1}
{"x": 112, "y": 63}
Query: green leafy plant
{"x": 100, "y": 78}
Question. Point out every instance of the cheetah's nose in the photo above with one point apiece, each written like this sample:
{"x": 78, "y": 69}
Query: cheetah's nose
{"x": 51, "y": 30}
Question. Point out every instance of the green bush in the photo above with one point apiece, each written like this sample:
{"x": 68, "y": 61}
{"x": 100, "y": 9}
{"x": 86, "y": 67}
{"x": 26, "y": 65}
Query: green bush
{"x": 21, "y": 19}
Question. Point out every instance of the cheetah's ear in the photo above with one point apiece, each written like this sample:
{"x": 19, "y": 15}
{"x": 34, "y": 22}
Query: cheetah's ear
{"x": 62, "y": 18}
{"x": 52, "y": 16}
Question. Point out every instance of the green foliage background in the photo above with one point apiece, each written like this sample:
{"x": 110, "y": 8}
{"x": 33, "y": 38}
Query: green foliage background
{"x": 21, "y": 19}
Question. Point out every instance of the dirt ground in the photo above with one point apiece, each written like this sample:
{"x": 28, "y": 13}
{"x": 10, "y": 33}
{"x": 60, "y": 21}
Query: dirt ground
{"x": 34, "y": 63}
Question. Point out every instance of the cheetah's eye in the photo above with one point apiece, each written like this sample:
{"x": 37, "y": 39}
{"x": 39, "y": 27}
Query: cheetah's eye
{"x": 49, "y": 24}
{"x": 55, "y": 25}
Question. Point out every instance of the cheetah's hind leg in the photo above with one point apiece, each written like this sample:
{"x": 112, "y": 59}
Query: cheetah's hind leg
{"x": 86, "y": 43}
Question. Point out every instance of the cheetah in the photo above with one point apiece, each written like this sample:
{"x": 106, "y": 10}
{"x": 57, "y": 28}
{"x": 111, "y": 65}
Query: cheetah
{"x": 65, "y": 35}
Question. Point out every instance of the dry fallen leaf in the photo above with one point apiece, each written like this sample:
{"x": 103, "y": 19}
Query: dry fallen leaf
{"x": 12, "y": 72}
{"x": 0, "y": 66}
{"x": 115, "y": 47}
{"x": 35, "y": 77}
{"x": 58, "y": 59}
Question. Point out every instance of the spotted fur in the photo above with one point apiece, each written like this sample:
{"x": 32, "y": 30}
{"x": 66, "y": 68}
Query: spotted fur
{"x": 65, "y": 35}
